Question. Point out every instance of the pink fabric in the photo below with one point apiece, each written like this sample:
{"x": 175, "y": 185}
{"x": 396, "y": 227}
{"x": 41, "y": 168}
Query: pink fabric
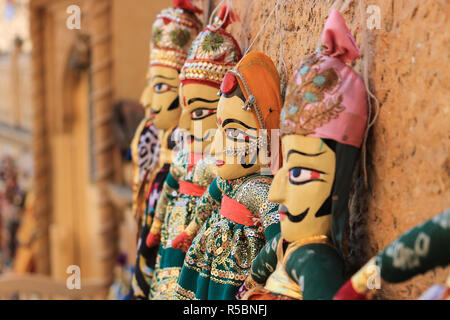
{"x": 348, "y": 124}
{"x": 337, "y": 38}
{"x": 349, "y": 128}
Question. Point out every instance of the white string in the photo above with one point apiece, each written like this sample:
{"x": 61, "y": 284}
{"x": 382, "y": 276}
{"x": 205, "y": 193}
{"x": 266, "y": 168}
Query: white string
{"x": 336, "y": 4}
{"x": 371, "y": 121}
{"x": 213, "y": 13}
{"x": 245, "y": 31}
{"x": 345, "y": 5}
{"x": 229, "y": 4}
{"x": 281, "y": 62}
{"x": 263, "y": 26}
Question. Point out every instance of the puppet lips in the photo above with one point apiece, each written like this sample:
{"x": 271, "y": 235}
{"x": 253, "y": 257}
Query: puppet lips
{"x": 191, "y": 138}
{"x": 284, "y": 212}
{"x": 220, "y": 163}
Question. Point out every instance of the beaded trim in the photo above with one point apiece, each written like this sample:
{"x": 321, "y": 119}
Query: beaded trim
{"x": 167, "y": 57}
{"x": 202, "y": 70}
{"x": 172, "y": 35}
{"x": 211, "y": 56}
{"x": 260, "y": 142}
{"x": 251, "y": 100}
{"x": 178, "y": 15}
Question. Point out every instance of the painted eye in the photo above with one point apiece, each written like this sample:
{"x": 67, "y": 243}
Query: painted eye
{"x": 300, "y": 175}
{"x": 161, "y": 87}
{"x": 237, "y": 135}
{"x": 202, "y": 113}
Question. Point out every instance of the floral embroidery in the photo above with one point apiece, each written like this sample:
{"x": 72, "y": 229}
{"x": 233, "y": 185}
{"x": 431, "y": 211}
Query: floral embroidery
{"x": 180, "y": 37}
{"x": 212, "y": 42}
{"x": 157, "y": 35}
{"x": 223, "y": 250}
{"x": 309, "y": 102}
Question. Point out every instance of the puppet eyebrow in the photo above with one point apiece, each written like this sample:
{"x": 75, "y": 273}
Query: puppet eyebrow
{"x": 163, "y": 77}
{"x": 227, "y": 121}
{"x": 304, "y": 154}
{"x": 201, "y": 100}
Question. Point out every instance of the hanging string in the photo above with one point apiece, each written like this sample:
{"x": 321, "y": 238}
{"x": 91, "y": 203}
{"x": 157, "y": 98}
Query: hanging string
{"x": 229, "y": 10}
{"x": 336, "y": 4}
{"x": 245, "y": 30}
{"x": 213, "y": 14}
{"x": 345, "y": 5}
{"x": 281, "y": 61}
{"x": 372, "y": 107}
{"x": 263, "y": 26}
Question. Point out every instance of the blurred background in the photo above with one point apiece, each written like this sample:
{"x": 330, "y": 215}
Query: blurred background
{"x": 68, "y": 110}
{"x": 69, "y": 105}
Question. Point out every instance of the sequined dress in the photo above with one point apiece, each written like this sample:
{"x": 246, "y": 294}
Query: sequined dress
{"x": 309, "y": 269}
{"x": 145, "y": 257}
{"x": 221, "y": 254}
{"x": 185, "y": 184}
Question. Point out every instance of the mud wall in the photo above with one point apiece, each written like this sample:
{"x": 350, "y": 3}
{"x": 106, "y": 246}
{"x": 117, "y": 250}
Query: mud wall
{"x": 408, "y": 161}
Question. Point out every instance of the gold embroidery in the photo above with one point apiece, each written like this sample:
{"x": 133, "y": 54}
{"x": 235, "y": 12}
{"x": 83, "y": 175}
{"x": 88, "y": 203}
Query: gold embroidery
{"x": 311, "y": 87}
{"x": 224, "y": 250}
{"x": 279, "y": 281}
{"x": 359, "y": 279}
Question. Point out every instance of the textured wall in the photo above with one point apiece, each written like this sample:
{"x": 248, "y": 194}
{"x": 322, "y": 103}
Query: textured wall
{"x": 408, "y": 148}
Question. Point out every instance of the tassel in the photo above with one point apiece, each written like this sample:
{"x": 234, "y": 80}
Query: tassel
{"x": 230, "y": 18}
{"x": 186, "y": 5}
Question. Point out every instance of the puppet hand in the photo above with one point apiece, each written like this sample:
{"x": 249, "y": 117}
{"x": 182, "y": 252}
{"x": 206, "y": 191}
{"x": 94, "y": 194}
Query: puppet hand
{"x": 248, "y": 284}
{"x": 152, "y": 239}
{"x": 242, "y": 291}
{"x": 357, "y": 287}
{"x": 348, "y": 292}
{"x": 183, "y": 241}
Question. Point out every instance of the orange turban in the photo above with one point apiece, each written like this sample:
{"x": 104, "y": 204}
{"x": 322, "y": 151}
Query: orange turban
{"x": 260, "y": 83}
{"x": 263, "y": 81}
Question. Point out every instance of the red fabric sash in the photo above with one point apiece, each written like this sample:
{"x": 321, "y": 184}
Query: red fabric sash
{"x": 193, "y": 159}
{"x": 236, "y": 212}
{"x": 191, "y": 189}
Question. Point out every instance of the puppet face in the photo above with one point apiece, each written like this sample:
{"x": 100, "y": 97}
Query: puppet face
{"x": 303, "y": 186}
{"x": 146, "y": 97}
{"x": 165, "y": 108}
{"x": 237, "y": 129}
{"x": 198, "y": 117}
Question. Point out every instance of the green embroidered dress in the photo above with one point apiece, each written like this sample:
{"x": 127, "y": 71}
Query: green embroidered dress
{"x": 417, "y": 251}
{"x": 310, "y": 269}
{"x": 175, "y": 209}
{"x": 222, "y": 252}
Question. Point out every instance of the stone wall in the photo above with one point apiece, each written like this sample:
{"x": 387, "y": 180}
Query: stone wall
{"x": 408, "y": 162}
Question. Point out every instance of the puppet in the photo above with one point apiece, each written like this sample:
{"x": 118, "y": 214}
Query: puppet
{"x": 172, "y": 35}
{"x": 212, "y": 54}
{"x": 323, "y": 123}
{"x": 418, "y": 250}
{"x": 234, "y": 218}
